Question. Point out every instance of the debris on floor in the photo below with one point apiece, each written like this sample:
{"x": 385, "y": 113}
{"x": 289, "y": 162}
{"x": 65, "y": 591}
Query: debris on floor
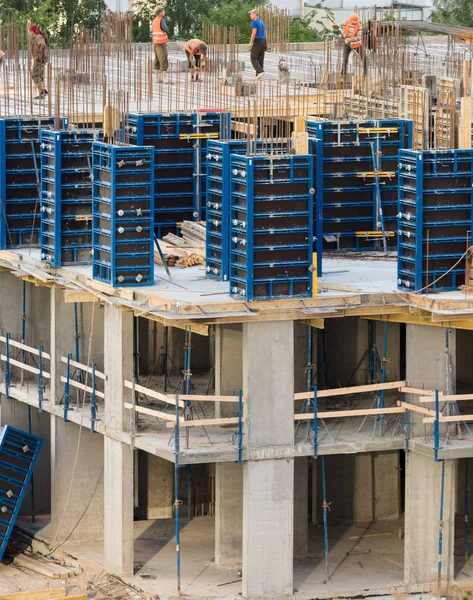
{"x": 186, "y": 251}
{"x": 106, "y": 585}
{"x": 45, "y": 566}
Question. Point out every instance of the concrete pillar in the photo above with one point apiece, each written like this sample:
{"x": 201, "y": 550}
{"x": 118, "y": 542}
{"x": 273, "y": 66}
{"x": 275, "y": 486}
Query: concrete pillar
{"x": 301, "y": 507}
{"x": 228, "y": 476}
{"x": 464, "y": 340}
{"x": 77, "y": 510}
{"x": 426, "y": 363}
{"x": 268, "y": 475}
{"x": 423, "y": 491}
{"x": 62, "y": 341}
{"x": 155, "y": 487}
{"x": 118, "y": 476}
{"x": 228, "y": 513}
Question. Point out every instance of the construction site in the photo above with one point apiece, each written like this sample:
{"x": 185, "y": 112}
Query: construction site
{"x": 235, "y": 317}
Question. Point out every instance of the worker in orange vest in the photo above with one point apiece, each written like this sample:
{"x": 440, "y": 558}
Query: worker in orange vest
{"x": 196, "y": 51}
{"x": 160, "y": 40}
{"x": 353, "y": 39}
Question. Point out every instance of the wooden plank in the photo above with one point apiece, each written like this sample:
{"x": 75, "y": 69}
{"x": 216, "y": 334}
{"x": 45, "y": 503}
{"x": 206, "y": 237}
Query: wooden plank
{"x": 123, "y": 293}
{"x": 49, "y": 594}
{"x": 356, "y": 389}
{"x": 446, "y": 398}
{"x": 19, "y": 364}
{"x": 82, "y": 387}
{"x": 205, "y": 422}
{"x": 153, "y": 413}
{"x": 82, "y": 367}
{"x": 29, "y": 349}
{"x": 201, "y": 398}
{"x": 464, "y": 129}
{"x": 450, "y": 419}
{"x": 369, "y": 535}
{"x": 418, "y": 409}
{"x": 77, "y": 297}
{"x": 417, "y": 391}
{"x": 341, "y": 414}
{"x": 42, "y": 566}
{"x": 168, "y": 398}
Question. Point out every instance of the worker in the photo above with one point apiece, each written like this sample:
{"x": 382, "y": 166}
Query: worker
{"x": 258, "y": 43}
{"x": 196, "y": 51}
{"x": 40, "y": 58}
{"x": 353, "y": 39}
{"x": 160, "y": 40}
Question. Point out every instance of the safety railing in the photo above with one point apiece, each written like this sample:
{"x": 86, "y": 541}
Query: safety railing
{"x": 24, "y": 355}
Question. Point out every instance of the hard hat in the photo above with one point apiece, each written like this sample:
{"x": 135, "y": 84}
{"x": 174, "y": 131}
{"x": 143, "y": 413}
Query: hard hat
{"x": 354, "y": 17}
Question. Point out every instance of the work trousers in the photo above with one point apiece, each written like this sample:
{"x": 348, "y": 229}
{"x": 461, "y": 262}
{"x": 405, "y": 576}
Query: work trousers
{"x": 161, "y": 57}
{"x": 257, "y": 55}
{"x": 37, "y": 74}
{"x": 346, "y": 55}
{"x": 196, "y": 58}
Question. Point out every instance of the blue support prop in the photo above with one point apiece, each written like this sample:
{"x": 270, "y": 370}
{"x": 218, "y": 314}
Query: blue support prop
{"x": 325, "y": 506}
{"x": 437, "y": 446}
{"x": 40, "y": 379}
{"x": 315, "y": 430}
{"x": 466, "y": 510}
{"x": 7, "y": 366}
{"x": 18, "y": 455}
{"x": 440, "y": 545}
{"x": 93, "y": 401}
{"x": 383, "y": 374}
{"x": 240, "y": 427}
{"x": 67, "y": 388}
{"x": 177, "y": 501}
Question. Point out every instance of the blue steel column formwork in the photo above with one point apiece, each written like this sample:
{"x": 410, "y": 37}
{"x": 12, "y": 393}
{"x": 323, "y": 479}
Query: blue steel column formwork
{"x": 271, "y": 226}
{"x": 353, "y": 166}
{"x": 66, "y": 196}
{"x": 435, "y": 218}
{"x": 19, "y": 452}
{"x": 122, "y": 196}
{"x": 20, "y": 180}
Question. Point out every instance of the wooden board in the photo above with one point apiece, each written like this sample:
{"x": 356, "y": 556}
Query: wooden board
{"x": 152, "y": 413}
{"x": 206, "y": 422}
{"x": 19, "y": 364}
{"x": 49, "y": 594}
{"x": 81, "y": 386}
{"x": 29, "y": 349}
{"x": 356, "y": 389}
{"x": 83, "y": 367}
{"x": 48, "y": 568}
{"x": 168, "y": 398}
{"x": 342, "y": 414}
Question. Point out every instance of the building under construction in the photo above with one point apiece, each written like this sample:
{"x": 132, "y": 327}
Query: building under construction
{"x": 238, "y": 314}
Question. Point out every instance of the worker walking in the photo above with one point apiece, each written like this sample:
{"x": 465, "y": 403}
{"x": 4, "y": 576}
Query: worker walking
{"x": 160, "y": 43}
{"x": 353, "y": 39}
{"x": 40, "y": 58}
{"x": 196, "y": 51}
{"x": 258, "y": 43}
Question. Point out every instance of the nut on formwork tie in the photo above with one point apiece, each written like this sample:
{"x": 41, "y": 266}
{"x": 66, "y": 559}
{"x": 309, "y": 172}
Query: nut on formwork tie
{"x": 177, "y": 503}
{"x": 441, "y": 524}
{"x": 23, "y": 317}
{"x": 326, "y": 505}
{"x": 25, "y": 449}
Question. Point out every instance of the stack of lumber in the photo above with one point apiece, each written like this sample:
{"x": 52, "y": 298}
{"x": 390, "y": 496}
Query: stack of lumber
{"x": 44, "y": 566}
{"x": 185, "y": 251}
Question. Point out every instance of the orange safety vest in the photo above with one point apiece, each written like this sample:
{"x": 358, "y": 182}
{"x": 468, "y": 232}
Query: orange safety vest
{"x": 159, "y": 36}
{"x": 194, "y": 42}
{"x": 350, "y": 30}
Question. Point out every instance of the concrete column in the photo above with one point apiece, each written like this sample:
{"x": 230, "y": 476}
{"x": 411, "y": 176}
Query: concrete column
{"x": 423, "y": 491}
{"x": 77, "y": 510}
{"x": 155, "y": 486}
{"x": 268, "y": 475}
{"x": 118, "y": 477}
{"x": 301, "y": 507}
{"x": 228, "y": 476}
{"x": 62, "y": 341}
{"x": 228, "y": 513}
{"x": 426, "y": 363}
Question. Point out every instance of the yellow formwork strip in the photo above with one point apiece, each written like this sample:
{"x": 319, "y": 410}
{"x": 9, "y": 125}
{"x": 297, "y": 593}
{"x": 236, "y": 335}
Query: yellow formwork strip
{"x": 369, "y": 174}
{"x": 368, "y": 130}
{"x": 314, "y": 275}
{"x": 374, "y": 234}
{"x": 198, "y": 136}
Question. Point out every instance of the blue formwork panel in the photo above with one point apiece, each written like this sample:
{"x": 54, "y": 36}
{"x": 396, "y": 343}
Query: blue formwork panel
{"x": 271, "y": 226}
{"x": 18, "y": 455}
{"x": 66, "y": 196}
{"x": 218, "y": 206}
{"x": 20, "y": 221}
{"x": 179, "y": 178}
{"x": 346, "y": 154}
{"x": 122, "y": 213}
{"x": 435, "y": 218}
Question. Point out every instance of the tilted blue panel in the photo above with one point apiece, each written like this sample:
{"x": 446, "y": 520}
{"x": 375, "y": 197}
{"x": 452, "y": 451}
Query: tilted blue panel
{"x": 435, "y": 218}
{"x": 66, "y": 196}
{"x": 122, "y": 196}
{"x": 352, "y": 202}
{"x": 271, "y": 226}
{"x": 20, "y": 221}
{"x": 18, "y": 455}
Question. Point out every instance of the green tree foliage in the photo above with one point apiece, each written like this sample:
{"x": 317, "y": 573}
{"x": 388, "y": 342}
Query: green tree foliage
{"x": 454, "y": 12}
{"x": 57, "y": 18}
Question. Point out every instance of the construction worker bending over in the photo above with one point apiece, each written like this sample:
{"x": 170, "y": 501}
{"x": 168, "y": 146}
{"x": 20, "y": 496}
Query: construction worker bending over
{"x": 40, "y": 58}
{"x": 160, "y": 40}
{"x": 353, "y": 38}
{"x": 196, "y": 51}
{"x": 258, "y": 43}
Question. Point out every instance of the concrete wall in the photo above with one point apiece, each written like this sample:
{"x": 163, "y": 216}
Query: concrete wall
{"x": 155, "y": 487}
{"x": 15, "y": 413}
{"x": 464, "y": 360}
{"x": 361, "y": 487}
